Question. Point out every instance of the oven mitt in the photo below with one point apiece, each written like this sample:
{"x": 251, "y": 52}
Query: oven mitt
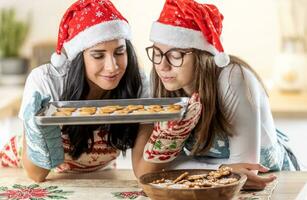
{"x": 168, "y": 137}
{"x": 44, "y": 143}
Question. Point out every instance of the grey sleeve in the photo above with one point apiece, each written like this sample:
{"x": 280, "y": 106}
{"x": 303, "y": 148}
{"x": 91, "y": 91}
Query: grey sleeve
{"x": 33, "y": 83}
{"x": 45, "y": 80}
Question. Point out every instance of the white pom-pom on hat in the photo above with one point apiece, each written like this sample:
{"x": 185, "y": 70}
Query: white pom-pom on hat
{"x": 221, "y": 59}
{"x": 58, "y": 60}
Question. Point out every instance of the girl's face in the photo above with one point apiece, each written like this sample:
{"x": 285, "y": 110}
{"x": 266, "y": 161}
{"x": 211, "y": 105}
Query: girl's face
{"x": 105, "y": 63}
{"x": 174, "y": 78}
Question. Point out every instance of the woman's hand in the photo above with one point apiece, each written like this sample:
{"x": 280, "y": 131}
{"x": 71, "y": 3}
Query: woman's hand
{"x": 254, "y": 181}
{"x": 44, "y": 143}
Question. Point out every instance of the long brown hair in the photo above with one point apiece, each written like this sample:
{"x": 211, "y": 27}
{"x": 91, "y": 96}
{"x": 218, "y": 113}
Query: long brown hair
{"x": 214, "y": 119}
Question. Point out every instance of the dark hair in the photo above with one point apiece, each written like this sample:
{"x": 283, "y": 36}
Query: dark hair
{"x": 121, "y": 136}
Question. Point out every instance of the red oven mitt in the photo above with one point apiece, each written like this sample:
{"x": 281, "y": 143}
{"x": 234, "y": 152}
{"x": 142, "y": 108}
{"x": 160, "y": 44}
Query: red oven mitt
{"x": 167, "y": 138}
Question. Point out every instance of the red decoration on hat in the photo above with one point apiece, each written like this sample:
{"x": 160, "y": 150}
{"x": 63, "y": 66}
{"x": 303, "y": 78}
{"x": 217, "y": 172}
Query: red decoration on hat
{"x": 87, "y": 23}
{"x": 188, "y": 24}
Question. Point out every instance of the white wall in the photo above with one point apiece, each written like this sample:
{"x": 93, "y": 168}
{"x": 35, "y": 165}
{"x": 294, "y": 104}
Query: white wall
{"x": 250, "y": 27}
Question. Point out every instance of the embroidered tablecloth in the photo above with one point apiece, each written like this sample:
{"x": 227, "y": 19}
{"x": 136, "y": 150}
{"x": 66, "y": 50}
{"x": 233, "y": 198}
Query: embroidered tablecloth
{"x": 23, "y": 189}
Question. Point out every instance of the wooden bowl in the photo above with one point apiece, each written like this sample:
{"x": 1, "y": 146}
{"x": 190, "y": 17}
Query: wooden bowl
{"x": 217, "y": 192}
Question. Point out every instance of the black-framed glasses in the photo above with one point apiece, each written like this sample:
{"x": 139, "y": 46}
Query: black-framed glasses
{"x": 174, "y": 57}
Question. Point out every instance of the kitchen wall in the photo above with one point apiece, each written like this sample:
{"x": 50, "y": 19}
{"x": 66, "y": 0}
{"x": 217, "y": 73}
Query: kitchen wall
{"x": 250, "y": 28}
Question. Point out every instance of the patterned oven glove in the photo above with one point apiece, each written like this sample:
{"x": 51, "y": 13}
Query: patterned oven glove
{"x": 168, "y": 137}
{"x": 44, "y": 143}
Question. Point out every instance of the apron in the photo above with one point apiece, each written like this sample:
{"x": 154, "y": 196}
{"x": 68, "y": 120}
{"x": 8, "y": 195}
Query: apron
{"x": 102, "y": 155}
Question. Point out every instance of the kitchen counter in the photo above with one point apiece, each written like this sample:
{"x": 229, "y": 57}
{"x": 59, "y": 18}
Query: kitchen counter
{"x": 10, "y": 100}
{"x": 288, "y": 105}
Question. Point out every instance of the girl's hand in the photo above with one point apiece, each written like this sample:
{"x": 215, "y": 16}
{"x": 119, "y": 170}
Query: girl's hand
{"x": 168, "y": 137}
{"x": 254, "y": 182}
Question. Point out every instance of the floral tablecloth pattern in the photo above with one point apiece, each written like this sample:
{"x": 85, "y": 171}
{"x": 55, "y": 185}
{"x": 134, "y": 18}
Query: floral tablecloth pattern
{"x": 21, "y": 189}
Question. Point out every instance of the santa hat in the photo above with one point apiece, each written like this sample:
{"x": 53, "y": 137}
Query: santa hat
{"x": 188, "y": 24}
{"x": 85, "y": 24}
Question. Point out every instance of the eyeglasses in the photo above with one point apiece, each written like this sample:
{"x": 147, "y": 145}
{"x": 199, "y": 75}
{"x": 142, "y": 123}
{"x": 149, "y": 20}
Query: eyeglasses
{"x": 173, "y": 56}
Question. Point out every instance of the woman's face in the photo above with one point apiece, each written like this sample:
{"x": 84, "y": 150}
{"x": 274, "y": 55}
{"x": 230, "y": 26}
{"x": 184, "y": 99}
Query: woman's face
{"x": 105, "y": 63}
{"x": 174, "y": 78}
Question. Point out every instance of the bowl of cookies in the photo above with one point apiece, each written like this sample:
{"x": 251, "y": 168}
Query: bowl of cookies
{"x": 192, "y": 184}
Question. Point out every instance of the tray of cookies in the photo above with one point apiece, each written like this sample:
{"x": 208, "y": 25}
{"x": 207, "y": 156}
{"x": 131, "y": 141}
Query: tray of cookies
{"x": 112, "y": 111}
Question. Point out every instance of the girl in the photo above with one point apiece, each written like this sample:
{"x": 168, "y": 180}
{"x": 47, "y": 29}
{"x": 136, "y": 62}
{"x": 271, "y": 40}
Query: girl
{"x": 101, "y": 64}
{"x": 228, "y": 120}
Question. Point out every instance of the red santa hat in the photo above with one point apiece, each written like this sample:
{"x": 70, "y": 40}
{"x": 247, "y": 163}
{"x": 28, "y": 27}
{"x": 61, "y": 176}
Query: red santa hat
{"x": 85, "y": 24}
{"x": 188, "y": 24}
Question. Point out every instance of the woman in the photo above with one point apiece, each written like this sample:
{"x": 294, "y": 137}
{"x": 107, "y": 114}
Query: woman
{"x": 228, "y": 121}
{"x": 101, "y": 64}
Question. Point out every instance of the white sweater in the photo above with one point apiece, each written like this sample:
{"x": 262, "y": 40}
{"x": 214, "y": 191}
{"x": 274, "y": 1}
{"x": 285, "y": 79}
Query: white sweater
{"x": 255, "y": 135}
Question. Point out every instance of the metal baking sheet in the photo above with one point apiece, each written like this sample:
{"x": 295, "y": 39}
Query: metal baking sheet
{"x": 44, "y": 116}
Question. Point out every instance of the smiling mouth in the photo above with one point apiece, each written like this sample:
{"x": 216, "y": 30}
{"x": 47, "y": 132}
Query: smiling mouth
{"x": 109, "y": 77}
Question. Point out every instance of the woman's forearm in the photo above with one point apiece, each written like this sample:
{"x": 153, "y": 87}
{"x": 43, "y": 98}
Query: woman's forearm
{"x": 34, "y": 172}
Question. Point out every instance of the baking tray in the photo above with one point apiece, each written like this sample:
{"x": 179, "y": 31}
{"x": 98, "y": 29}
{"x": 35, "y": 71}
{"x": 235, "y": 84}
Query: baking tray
{"x": 44, "y": 116}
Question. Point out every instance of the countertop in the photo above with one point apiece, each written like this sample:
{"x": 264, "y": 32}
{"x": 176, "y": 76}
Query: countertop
{"x": 288, "y": 105}
{"x": 10, "y": 100}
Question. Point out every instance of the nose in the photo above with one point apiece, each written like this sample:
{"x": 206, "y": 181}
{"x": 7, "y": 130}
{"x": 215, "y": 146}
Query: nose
{"x": 110, "y": 64}
{"x": 164, "y": 65}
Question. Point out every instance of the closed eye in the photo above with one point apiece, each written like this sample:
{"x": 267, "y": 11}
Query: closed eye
{"x": 120, "y": 50}
{"x": 98, "y": 56}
